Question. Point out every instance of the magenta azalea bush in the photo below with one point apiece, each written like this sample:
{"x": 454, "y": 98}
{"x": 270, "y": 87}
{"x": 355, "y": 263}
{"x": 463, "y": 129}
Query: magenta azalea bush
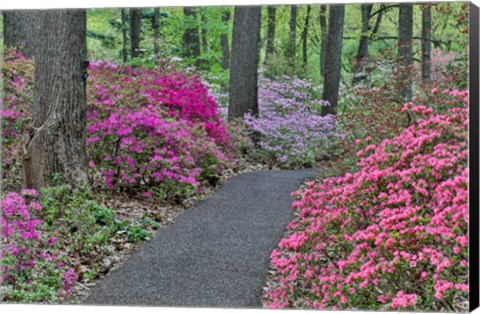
{"x": 31, "y": 267}
{"x": 392, "y": 235}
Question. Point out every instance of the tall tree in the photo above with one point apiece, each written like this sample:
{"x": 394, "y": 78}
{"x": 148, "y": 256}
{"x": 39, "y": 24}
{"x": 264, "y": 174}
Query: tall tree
{"x": 305, "y": 37}
{"x": 362, "y": 53}
{"x": 55, "y": 139}
{"x": 18, "y": 31}
{"x": 334, "y": 57}
{"x": 124, "y": 35}
{"x": 292, "y": 42}
{"x": 426, "y": 42}
{"x": 224, "y": 40}
{"x": 245, "y": 54}
{"x": 324, "y": 30}
{"x": 405, "y": 53}
{"x": 156, "y": 32}
{"x": 135, "y": 29}
{"x": 272, "y": 11}
{"x": 191, "y": 39}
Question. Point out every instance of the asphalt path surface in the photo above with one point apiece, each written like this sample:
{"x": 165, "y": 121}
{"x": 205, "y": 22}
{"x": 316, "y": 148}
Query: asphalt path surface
{"x": 216, "y": 254}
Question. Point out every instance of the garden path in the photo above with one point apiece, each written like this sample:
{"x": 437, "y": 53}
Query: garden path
{"x": 216, "y": 254}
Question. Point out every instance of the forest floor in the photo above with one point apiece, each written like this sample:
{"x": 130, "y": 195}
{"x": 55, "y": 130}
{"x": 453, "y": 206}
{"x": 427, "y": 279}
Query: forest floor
{"x": 216, "y": 254}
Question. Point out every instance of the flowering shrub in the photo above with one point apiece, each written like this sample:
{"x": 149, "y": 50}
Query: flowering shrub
{"x": 32, "y": 269}
{"x": 291, "y": 130}
{"x": 392, "y": 235}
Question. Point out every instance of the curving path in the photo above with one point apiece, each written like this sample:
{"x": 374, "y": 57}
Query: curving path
{"x": 216, "y": 254}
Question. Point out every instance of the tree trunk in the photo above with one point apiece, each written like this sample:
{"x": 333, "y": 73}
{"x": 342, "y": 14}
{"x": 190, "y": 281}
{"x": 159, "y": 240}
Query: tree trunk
{"x": 191, "y": 40}
{"x": 323, "y": 49}
{"x": 224, "y": 41}
{"x": 405, "y": 54}
{"x": 245, "y": 54}
{"x": 18, "y": 31}
{"x": 362, "y": 53}
{"x": 124, "y": 36}
{"x": 426, "y": 42}
{"x": 55, "y": 140}
{"x": 272, "y": 11}
{"x": 156, "y": 32}
{"x": 305, "y": 37}
{"x": 334, "y": 57}
{"x": 293, "y": 36}
{"x": 135, "y": 28}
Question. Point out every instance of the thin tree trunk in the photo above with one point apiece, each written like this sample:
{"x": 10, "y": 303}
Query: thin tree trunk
{"x": 224, "y": 41}
{"x": 405, "y": 54}
{"x": 191, "y": 39}
{"x": 334, "y": 57}
{"x": 18, "y": 31}
{"x": 305, "y": 37}
{"x": 362, "y": 53}
{"x": 292, "y": 38}
{"x": 245, "y": 54}
{"x": 426, "y": 42}
{"x": 124, "y": 35}
{"x": 156, "y": 32}
{"x": 55, "y": 140}
{"x": 323, "y": 49}
{"x": 272, "y": 11}
{"x": 135, "y": 29}
{"x": 378, "y": 21}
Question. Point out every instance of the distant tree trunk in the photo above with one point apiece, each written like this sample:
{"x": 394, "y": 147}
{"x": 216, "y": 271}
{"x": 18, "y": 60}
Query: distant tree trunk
{"x": 305, "y": 37}
{"x": 426, "y": 42}
{"x": 405, "y": 54}
{"x": 272, "y": 11}
{"x": 55, "y": 140}
{"x": 156, "y": 32}
{"x": 362, "y": 53}
{"x": 224, "y": 41}
{"x": 245, "y": 54}
{"x": 334, "y": 57}
{"x": 135, "y": 28}
{"x": 124, "y": 35}
{"x": 191, "y": 40}
{"x": 378, "y": 21}
{"x": 293, "y": 36}
{"x": 323, "y": 49}
{"x": 204, "y": 31}
{"x": 18, "y": 31}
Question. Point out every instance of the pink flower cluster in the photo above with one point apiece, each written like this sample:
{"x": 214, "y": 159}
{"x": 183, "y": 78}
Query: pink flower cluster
{"x": 393, "y": 234}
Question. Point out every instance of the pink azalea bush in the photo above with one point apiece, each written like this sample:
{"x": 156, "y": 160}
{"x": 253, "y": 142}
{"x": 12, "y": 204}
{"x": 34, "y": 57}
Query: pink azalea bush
{"x": 31, "y": 266}
{"x": 392, "y": 235}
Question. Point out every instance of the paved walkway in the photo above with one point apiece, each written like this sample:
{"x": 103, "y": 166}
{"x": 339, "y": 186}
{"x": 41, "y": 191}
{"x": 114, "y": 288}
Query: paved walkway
{"x": 216, "y": 254}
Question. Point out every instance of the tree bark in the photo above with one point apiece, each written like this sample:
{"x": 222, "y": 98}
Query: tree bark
{"x": 272, "y": 11}
{"x": 156, "y": 32}
{"x": 18, "y": 31}
{"x": 224, "y": 41}
{"x": 334, "y": 57}
{"x": 426, "y": 42}
{"x": 323, "y": 49}
{"x": 55, "y": 140}
{"x": 135, "y": 29}
{"x": 124, "y": 36}
{"x": 305, "y": 37}
{"x": 191, "y": 39}
{"x": 245, "y": 54}
{"x": 405, "y": 54}
{"x": 293, "y": 36}
{"x": 362, "y": 53}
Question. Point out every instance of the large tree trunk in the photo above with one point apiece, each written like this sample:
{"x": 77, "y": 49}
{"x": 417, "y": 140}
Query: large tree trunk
{"x": 405, "y": 54}
{"x": 191, "y": 39}
{"x": 55, "y": 139}
{"x": 224, "y": 41}
{"x": 305, "y": 37}
{"x": 292, "y": 37}
{"x": 426, "y": 42}
{"x": 135, "y": 29}
{"x": 124, "y": 36}
{"x": 18, "y": 31}
{"x": 362, "y": 54}
{"x": 324, "y": 30}
{"x": 245, "y": 53}
{"x": 272, "y": 11}
{"x": 334, "y": 57}
{"x": 156, "y": 32}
